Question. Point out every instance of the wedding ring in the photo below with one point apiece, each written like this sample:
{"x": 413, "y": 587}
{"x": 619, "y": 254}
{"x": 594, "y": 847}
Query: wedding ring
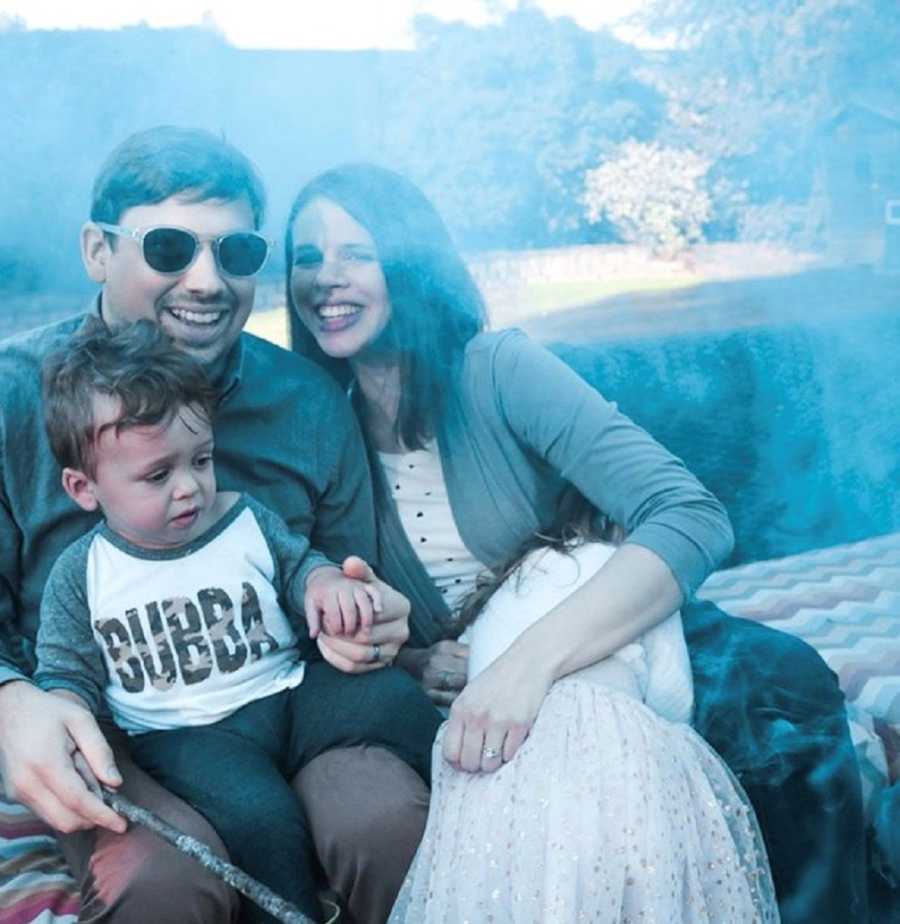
{"x": 490, "y": 753}
{"x": 376, "y": 653}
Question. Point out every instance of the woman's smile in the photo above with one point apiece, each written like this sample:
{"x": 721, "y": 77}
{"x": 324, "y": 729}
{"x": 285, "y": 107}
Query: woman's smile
{"x": 338, "y": 317}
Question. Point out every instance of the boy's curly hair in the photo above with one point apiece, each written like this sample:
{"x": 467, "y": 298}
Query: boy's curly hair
{"x": 138, "y": 364}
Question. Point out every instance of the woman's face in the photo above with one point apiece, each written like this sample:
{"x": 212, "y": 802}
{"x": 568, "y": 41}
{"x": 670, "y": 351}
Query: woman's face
{"x": 336, "y": 280}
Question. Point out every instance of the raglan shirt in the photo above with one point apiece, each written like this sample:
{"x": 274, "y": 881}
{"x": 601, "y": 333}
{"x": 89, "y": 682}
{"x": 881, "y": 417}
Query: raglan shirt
{"x": 177, "y": 637}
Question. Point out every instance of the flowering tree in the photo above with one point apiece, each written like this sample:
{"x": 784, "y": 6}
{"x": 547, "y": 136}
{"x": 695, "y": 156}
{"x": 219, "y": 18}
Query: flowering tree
{"x": 750, "y": 83}
{"x": 651, "y": 194}
{"x": 499, "y": 123}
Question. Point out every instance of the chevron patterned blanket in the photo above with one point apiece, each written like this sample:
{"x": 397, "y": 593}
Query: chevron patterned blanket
{"x": 844, "y": 600}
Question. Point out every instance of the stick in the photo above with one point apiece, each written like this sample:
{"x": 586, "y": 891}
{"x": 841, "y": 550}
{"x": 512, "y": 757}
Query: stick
{"x": 262, "y": 895}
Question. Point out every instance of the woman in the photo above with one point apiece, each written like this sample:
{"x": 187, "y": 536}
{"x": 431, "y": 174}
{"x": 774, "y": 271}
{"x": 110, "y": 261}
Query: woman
{"x": 479, "y": 442}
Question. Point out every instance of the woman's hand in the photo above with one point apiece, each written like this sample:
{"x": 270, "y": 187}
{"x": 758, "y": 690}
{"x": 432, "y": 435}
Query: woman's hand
{"x": 375, "y": 646}
{"x": 441, "y": 669}
{"x": 492, "y": 716}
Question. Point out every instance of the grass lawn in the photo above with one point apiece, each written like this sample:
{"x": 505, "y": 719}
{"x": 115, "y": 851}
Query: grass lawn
{"x": 539, "y": 301}
{"x": 510, "y": 306}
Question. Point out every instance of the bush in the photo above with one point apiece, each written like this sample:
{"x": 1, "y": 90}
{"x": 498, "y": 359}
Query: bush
{"x": 652, "y": 195}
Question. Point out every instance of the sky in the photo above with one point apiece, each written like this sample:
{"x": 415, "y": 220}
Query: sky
{"x": 333, "y": 24}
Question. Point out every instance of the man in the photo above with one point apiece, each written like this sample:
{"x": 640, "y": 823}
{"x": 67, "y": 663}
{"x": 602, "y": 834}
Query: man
{"x": 173, "y": 237}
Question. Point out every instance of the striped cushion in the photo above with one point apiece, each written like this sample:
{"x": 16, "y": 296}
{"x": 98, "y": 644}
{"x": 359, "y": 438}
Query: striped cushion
{"x": 35, "y": 885}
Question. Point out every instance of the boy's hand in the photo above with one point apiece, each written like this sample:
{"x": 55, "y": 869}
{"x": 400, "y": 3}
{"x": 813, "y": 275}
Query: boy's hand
{"x": 356, "y": 654}
{"x": 339, "y": 605}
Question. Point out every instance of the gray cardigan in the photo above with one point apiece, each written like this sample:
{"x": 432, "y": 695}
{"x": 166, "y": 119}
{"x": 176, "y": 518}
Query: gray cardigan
{"x": 519, "y": 430}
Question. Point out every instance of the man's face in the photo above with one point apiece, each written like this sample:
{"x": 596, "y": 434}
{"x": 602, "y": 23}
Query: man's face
{"x": 202, "y": 309}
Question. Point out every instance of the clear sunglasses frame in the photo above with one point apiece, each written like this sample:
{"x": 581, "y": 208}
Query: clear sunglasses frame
{"x": 139, "y": 234}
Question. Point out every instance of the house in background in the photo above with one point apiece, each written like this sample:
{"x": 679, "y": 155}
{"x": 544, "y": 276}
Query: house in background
{"x": 861, "y": 182}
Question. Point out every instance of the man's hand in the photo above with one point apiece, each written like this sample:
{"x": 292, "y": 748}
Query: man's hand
{"x": 41, "y": 736}
{"x": 441, "y": 669}
{"x": 356, "y": 653}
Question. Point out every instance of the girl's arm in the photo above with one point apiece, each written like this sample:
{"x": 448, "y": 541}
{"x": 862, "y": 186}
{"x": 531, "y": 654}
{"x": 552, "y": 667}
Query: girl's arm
{"x": 491, "y": 718}
{"x": 441, "y": 669}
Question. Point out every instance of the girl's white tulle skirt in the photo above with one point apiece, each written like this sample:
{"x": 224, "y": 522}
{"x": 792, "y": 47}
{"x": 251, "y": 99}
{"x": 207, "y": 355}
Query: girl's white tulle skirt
{"x": 607, "y": 813}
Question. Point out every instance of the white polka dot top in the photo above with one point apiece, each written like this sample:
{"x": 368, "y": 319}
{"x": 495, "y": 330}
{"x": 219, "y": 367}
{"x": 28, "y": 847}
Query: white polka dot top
{"x": 416, "y": 482}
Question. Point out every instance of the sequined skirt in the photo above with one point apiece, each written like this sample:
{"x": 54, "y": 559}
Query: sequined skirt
{"x": 607, "y": 813}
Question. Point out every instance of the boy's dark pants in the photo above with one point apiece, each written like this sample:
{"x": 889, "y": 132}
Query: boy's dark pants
{"x": 772, "y": 708}
{"x": 236, "y": 772}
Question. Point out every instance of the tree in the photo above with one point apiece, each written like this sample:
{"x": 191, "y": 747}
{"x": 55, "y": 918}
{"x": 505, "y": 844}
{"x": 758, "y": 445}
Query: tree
{"x": 499, "y": 123}
{"x": 752, "y": 81}
{"x": 652, "y": 195}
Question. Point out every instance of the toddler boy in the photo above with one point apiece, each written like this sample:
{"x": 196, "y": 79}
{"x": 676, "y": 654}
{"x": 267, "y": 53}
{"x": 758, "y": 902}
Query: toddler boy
{"x": 181, "y": 612}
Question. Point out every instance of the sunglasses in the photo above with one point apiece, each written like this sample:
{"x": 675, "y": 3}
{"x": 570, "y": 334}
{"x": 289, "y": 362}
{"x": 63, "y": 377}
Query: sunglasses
{"x": 171, "y": 251}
